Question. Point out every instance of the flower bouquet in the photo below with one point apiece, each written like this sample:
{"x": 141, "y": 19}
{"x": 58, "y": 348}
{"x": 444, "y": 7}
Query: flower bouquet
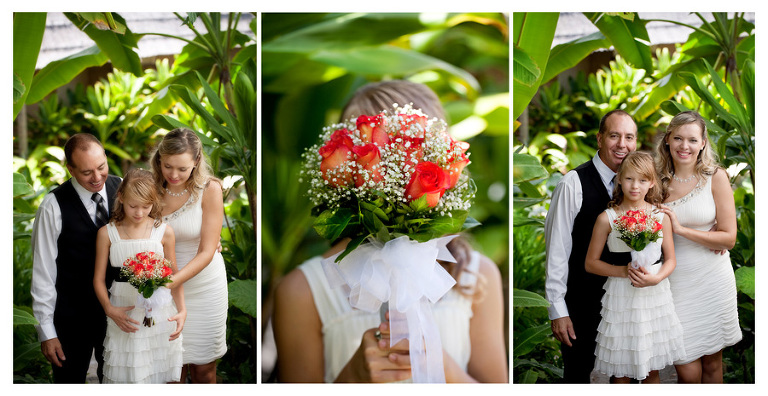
{"x": 394, "y": 183}
{"x": 147, "y": 272}
{"x": 640, "y": 231}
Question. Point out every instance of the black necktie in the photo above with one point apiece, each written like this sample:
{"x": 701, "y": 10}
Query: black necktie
{"x": 102, "y": 216}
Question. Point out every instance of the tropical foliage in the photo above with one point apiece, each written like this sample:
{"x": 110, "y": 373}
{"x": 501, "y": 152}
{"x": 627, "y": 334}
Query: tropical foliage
{"x": 129, "y": 110}
{"x": 311, "y": 65}
{"x": 713, "y": 72}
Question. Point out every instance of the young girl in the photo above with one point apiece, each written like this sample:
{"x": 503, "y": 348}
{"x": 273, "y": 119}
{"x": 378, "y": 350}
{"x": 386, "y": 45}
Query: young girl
{"x": 133, "y": 352}
{"x": 640, "y": 332}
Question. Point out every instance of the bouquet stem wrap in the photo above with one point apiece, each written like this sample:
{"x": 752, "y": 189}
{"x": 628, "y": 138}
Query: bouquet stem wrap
{"x": 647, "y": 257}
{"x": 406, "y": 274}
{"x": 160, "y": 297}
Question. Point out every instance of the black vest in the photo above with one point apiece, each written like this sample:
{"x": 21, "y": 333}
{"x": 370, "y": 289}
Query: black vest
{"x": 585, "y": 289}
{"x": 77, "y": 255}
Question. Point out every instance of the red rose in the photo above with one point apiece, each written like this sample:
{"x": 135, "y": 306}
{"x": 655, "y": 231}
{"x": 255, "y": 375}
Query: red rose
{"x": 335, "y": 153}
{"x": 417, "y": 124}
{"x": 368, "y": 157}
{"x": 166, "y": 271}
{"x": 372, "y": 130}
{"x": 428, "y": 179}
{"x": 657, "y": 227}
{"x": 457, "y": 161}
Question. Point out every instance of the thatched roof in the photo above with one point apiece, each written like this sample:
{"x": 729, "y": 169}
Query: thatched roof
{"x": 62, "y": 38}
{"x": 572, "y": 25}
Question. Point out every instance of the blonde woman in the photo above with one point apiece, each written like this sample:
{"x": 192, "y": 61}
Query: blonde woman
{"x": 193, "y": 206}
{"x": 698, "y": 196}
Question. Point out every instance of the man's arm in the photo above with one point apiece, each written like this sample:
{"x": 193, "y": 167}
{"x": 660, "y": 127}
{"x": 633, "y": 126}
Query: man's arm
{"x": 563, "y": 208}
{"x": 45, "y": 233}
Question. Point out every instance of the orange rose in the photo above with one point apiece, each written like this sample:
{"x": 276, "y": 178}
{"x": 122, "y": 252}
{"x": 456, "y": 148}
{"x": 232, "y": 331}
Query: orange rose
{"x": 430, "y": 180}
{"x": 372, "y": 130}
{"x": 458, "y": 161}
{"x": 166, "y": 271}
{"x": 368, "y": 157}
{"x": 417, "y": 124}
{"x": 335, "y": 154}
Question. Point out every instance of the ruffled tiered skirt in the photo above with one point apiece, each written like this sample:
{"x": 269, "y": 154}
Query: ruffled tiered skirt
{"x": 639, "y": 332}
{"x": 145, "y": 356}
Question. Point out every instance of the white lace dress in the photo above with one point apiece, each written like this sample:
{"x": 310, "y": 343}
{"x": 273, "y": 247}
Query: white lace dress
{"x": 145, "y": 356}
{"x": 343, "y": 326}
{"x": 639, "y": 331}
{"x": 703, "y": 284}
{"x": 205, "y": 295}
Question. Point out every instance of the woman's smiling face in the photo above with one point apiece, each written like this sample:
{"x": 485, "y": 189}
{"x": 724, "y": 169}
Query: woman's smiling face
{"x": 177, "y": 168}
{"x": 685, "y": 144}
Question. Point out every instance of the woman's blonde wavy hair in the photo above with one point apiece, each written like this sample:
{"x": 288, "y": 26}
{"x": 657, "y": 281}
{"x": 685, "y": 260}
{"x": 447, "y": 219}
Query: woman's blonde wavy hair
{"x": 180, "y": 141}
{"x": 642, "y": 163}
{"x": 706, "y": 160}
{"x": 138, "y": 184}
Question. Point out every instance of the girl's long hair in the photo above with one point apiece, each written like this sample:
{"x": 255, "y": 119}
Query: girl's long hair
{"x": 642, "y": 163}
{"x": 706, "y": 160}
{"x": 138, "y": 184}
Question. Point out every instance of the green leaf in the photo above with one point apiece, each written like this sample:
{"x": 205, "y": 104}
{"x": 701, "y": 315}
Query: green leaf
{"x": 28, "y": 29}
{"x": 745, "y": 281}
{"x": 18, "y": 88}
{"x": 22, "y": 317}
{"x": 529, "y": 338}
{"x": 24, "y": 354}
{"x": 352, "y": 245}
{"x": 348, "y": 32}
{"x": 524, "y": 69}
{"x": 391, "y": 60}
{"x": 525, "y": 298}
{"x": 532, "y": 34}
{"x": 243, "y": 294}
{"x": 61, "y": 72}
{"x": 629, "y": 38}
{"x": 118, "y": 47}
{"x": 331, "y": 223}
{"x": 567, "y": 55}
{"x": 527, "y": 167}
{"x": 20, "y": 185}
{"x": 748, "y": 87}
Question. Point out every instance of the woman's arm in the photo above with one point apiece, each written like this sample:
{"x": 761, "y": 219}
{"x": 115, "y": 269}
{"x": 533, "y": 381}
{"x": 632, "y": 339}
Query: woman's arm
{"x": 592, "y": 263}
{"x": 724, "y": 237}
{"x": 213, "y": 216}
{"x": 169, "y": 252}
{"x": 298, "y": 331}
{"x": 118, "y": 314}
{"x": 488, "y": 359}
{"x": 640, "y": 278}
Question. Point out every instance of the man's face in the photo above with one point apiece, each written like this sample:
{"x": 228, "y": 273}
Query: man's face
{"x": 89, "y": 167}
{"x": 619, "y": 138}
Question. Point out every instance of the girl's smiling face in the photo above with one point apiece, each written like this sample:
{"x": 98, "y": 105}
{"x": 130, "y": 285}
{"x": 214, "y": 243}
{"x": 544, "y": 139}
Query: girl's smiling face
{"x": 177, "y": 168}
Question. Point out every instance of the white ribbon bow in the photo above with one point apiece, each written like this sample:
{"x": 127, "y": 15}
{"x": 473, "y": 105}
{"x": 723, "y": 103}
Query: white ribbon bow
{"x": 405, "y": 273}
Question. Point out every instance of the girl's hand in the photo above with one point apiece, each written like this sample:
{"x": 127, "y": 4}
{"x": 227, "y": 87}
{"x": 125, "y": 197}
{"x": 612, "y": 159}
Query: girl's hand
{"x": 120, "y": 316}
{"x": 676, "y": 226}
{"x": 180, "y": 318}
{"x": 375, "y": 362}
{"x": 640, "y": 277}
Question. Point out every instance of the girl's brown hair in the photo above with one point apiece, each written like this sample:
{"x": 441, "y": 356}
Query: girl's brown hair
{"x": 642, "y": 163}
{"x": 706, "y": 160}
{"x": 180, "y": 141}
{"x": 138, "y": 184}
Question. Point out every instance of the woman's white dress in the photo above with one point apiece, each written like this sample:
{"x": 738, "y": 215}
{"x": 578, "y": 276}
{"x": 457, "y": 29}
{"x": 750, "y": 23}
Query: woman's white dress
{"x": 343, "y": 326}
{"x": 703, "y": 284}
{"x": 639, "y": 331}
{"x": 205, "y": 294}
{"x": 145, "y": 356}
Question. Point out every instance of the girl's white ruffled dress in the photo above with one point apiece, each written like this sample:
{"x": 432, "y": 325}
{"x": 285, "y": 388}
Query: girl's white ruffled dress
{"x": 145, "y": 356}
{"x": 639, "y": 331}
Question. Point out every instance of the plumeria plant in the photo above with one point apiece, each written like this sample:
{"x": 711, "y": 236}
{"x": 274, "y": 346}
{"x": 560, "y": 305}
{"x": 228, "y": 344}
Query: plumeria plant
{"x": 389, "y": 175}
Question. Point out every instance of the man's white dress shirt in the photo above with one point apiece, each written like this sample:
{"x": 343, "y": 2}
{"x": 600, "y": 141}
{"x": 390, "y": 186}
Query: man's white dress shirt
{"x": 45, "y": 232}
{"x": 563, "y": 208}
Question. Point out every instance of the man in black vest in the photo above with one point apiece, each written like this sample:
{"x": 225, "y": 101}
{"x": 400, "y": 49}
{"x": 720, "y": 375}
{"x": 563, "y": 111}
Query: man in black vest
{"x": 72, "y": 322}
{"x": 580, "y": 196}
